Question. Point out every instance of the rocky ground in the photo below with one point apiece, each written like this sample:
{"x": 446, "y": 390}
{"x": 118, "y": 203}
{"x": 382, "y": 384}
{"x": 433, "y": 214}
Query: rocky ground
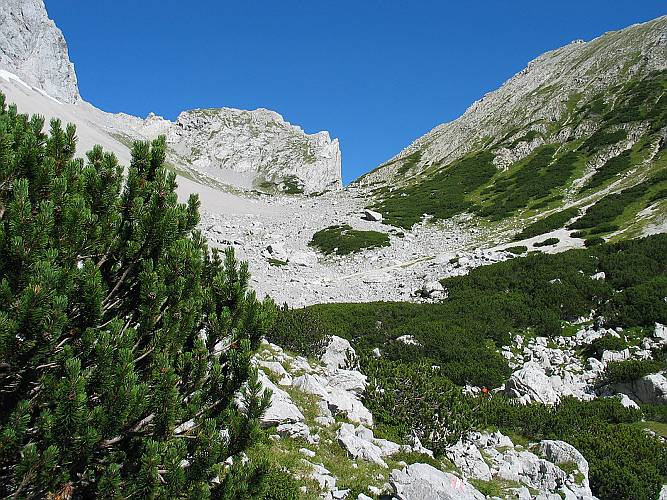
{"x": 548, "y": 370}
{"x": 422, "y": 255}
{"x": 320, "y": 422}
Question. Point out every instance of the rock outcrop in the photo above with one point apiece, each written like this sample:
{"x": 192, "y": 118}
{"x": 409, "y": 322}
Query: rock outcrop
{"x": 34, "y": 49}
{"x": 425, "y": 482}
{"x": 260, "y": 143}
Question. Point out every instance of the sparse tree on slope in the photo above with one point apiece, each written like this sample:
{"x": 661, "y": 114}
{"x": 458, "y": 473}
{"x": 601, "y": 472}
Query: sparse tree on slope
{"x": 124, "y": 342}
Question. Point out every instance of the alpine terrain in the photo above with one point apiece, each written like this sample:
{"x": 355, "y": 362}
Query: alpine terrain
{"x": 199, "y": 308}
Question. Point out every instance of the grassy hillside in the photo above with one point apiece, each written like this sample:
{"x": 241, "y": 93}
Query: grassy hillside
{"x": 607, "y": 143}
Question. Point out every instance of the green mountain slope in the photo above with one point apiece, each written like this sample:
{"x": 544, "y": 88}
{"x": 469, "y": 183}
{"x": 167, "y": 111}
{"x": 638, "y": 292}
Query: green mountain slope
{"x": 581, "y": 130}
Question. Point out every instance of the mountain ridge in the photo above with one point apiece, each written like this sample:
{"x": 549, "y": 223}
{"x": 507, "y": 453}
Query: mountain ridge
{"x": 274, "y": 157}
{"x": 468, "y": 126}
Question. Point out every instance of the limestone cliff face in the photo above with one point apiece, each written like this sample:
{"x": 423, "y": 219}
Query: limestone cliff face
{"x": 34, "y": 49}
{"x": 249, "y": 149}
{"x": 259, "y": 144}
{"x": 538, "y": 96}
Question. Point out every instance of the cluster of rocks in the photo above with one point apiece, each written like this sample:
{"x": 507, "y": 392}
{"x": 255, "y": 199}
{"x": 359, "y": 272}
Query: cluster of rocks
{"x": 337, "y": 388}
{"x": 285, "y": 267}
{"x": 548, "y": 467}
{"x": 540, "y": 470}
{"x": 546, "y": 374}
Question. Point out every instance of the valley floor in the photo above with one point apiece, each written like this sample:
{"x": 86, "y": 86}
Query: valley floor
{"x": 389, "y": 273}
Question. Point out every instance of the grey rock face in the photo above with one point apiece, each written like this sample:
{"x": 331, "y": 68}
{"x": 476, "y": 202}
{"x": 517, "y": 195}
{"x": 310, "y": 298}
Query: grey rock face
{"x": 531, "y": 382}
{"x": 649, "y": 389}
{"x": 34, "y": 49}
{"x": 424, "y": 482}
{"x": 259, "y": 146}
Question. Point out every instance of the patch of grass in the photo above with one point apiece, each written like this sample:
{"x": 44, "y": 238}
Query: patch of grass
{"x": 496, "y": 487}
{"x": 517, "y": 250}
{"x": 548, "y": 224}
{"x": 277, "y": 262}
{"x": 660, "y": 428}
{"x": 409, "y": 162}
{"x": 546, "y": 243}
{"x": 292, "y": 185}
{"x": 343, "y": 240}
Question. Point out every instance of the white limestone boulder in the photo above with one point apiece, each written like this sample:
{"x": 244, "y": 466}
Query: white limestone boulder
{"x": 425, "y": 482}
{"x": 530, "y": 383}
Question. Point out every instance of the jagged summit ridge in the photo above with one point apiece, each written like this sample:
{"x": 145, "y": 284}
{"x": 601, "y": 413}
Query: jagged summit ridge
{"x": 33, "y": 48}
{"x": 538, "y": 95}
{"x": 259, "y": 142}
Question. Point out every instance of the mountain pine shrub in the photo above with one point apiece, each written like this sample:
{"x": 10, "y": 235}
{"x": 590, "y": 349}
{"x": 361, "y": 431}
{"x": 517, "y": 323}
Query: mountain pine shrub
{"x": 124, "y": 342}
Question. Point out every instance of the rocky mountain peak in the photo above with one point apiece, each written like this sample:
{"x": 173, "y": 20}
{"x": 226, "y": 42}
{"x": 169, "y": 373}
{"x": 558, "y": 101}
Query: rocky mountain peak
{"x": 260, "y": 145}
{"x": 538, "y": 95}
{"x": 33, "y": 48}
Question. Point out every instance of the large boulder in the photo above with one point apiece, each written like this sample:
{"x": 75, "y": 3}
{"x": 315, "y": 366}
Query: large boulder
{"x": 372, "y": 216}
{"x": 651, "y": 389}
{"x": 530, "y": 383}
{"x": 343, "y": 402}
{"x": 337, "y": 353}
{"x": 425, "y": 482}
{"x": 560, "y": 452}
{"x": 467, "y": 457}
{"x": 310, "y": 384}
{"x": 359, "y": 447}
{"x": 348, "y": 380}
{"x": 277, "y": 251}
{"x": 281, "y": 408}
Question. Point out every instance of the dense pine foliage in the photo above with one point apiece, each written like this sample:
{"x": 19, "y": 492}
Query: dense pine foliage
{"x": 124, "y": 342}
{"x": 343, "y": 240}
{"x": 415, "y": 389}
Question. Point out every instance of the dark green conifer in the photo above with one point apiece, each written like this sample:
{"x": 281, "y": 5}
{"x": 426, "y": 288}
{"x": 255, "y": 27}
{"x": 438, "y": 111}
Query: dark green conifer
{"x": 125, "y": 343}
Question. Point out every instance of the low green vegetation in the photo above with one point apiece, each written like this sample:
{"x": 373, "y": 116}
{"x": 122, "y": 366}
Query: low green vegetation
{"x": 618, "y": 372}
{"x": 107, "y": 384}
{"x": 624, "y": 461}
{"x": 517, "y": 250}
{"x": 547, "y": 224}
{"x": 300, "y": 331}
{"x": 540, "y": 180}
{"x": 343, "y": 240}
{"x": 606, "y": 343}
{"x": 609, "y": 208}
{"x": 531, "y": 179}
{"x": 416, "y": 388}
{"x": 277, "y": 262}
{"x": 610, "y": 169}
{"x": 547, "y": 243}
{"x": 591, "y": 242}
{"x": 441, "y": 194}
{"x": 291, "y": 184}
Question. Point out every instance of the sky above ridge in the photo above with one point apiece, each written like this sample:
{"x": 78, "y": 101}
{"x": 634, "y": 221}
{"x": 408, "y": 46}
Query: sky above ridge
{"x": 376, "y": 74}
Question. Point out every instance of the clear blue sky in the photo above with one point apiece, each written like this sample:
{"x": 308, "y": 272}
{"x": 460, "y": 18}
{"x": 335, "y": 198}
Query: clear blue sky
{"x": 377, "y": 74}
